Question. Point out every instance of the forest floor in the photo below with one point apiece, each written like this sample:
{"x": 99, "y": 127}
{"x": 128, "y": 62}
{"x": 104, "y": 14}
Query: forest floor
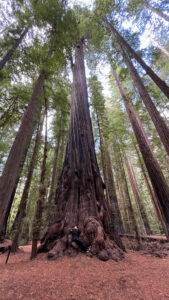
{"x": 137, "y": 277}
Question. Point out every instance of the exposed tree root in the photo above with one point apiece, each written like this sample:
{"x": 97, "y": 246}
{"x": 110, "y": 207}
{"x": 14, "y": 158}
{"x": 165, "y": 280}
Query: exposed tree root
{"x": 57, "y": 241}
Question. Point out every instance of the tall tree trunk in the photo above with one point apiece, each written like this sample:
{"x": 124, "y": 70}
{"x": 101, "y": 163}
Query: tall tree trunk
{"x": 109, "y": 179}
{"x": 158, "y": 121}
{"x": 7, "y": 57}
{"x": 163, "y": 50}
{"x": 11, "y": 168}
{"x": 23, "y": 203}
{"x": 15, "y": 188}
{"x": 156, "y": 176}
{"x": 53, "y": 182}
{"x": 112, "y": 194}
{"x": 131, "y": 214}
{"x": 102, "y": 156}
{"x": 124, "y": 210}
{"x": 136, "y": 193}
{"x": 157, "y": 80}
{"x": 157, "y": 11}
{"x": 153, "y": 196}
{"x": 80, "y": 197}
{"x": 42, "y": 194}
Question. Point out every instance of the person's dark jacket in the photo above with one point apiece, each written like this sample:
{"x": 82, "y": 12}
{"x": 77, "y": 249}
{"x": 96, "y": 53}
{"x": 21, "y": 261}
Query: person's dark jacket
{"x": 75, "y": 234}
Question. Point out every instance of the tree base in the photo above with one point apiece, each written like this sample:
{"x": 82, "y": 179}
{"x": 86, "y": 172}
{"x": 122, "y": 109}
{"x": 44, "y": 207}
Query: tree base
{"x": 57, "y": 241}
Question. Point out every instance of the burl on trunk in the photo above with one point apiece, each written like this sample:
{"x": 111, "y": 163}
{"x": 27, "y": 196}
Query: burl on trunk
{"x": 80, "y": 197}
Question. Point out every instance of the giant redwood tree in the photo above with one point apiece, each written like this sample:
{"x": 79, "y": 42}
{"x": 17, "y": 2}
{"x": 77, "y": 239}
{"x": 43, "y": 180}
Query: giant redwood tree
{"x": 80, "y": 199}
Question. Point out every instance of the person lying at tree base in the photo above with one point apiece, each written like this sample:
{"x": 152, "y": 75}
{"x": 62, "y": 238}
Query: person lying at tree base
{"x": 75, "y": 238}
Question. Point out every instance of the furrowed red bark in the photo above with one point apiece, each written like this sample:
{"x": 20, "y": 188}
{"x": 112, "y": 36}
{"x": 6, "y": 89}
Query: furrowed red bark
{"x": 158, "y": 121}
{"x": 12, "y": 50}
{"x": 80, "y": 197}
{"x": 42, "y": 194}
{"x": 156, "y": 176}
{"x": 11, "y": 168}
{"x": 23, "y": 203}
{"x": 157, "y": 80}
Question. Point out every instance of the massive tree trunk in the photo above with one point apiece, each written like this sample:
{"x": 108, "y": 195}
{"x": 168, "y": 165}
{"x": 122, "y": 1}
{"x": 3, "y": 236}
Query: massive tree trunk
{"x": 11, "y": 168}
{"x": 80, "y": 197}
{"x": 158, "y": 121}
{"x": 158, "y": 81}
{"x": 156, "y": 176}
{"x": 12, "y": 50}
{"x": 22, "y": 207}
{"x": 156, "y": 11}
{"x": 42, "y": 194}
{"x": 137, "y": 196}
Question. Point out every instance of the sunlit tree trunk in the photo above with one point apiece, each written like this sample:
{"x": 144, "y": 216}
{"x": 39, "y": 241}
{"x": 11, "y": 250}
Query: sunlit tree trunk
{"x": 156, "y": 11}
{"x": 157, "y": 80}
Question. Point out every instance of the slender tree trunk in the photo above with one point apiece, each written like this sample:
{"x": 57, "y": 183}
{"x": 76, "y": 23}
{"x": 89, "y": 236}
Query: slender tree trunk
{"x": 53, "y": 182}
{"x": 153, "y": 196}
{"x": 12, "y": 50}
{"x": 80, "y": 197}
{"x": 42, "y": 194}
{"x": 23, "y": 203}
{"x": 11, "y": 168}
{"x": 157, "y": 11}
{"x": 156, "y": 176}
{"x": 158, "y": 121}
{"x": 109, "y": 180}
{"x": 136, "y": 193}
{"x": 112, "y": 194}
{"x": 15, "y": 187}
{"x": 163, "y": 50}
{"x": 157, "y": 80}
{"x": 132, "y": 219}
{"x": 103, "y": 157}
{"x": 125, "y": 211}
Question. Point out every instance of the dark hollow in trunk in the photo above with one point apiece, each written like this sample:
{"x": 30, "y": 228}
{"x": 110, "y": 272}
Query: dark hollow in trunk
{"x": 80, "y": 197}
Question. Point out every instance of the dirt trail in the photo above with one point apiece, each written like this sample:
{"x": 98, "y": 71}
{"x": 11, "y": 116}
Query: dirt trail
{"x": 137, "y": 277}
